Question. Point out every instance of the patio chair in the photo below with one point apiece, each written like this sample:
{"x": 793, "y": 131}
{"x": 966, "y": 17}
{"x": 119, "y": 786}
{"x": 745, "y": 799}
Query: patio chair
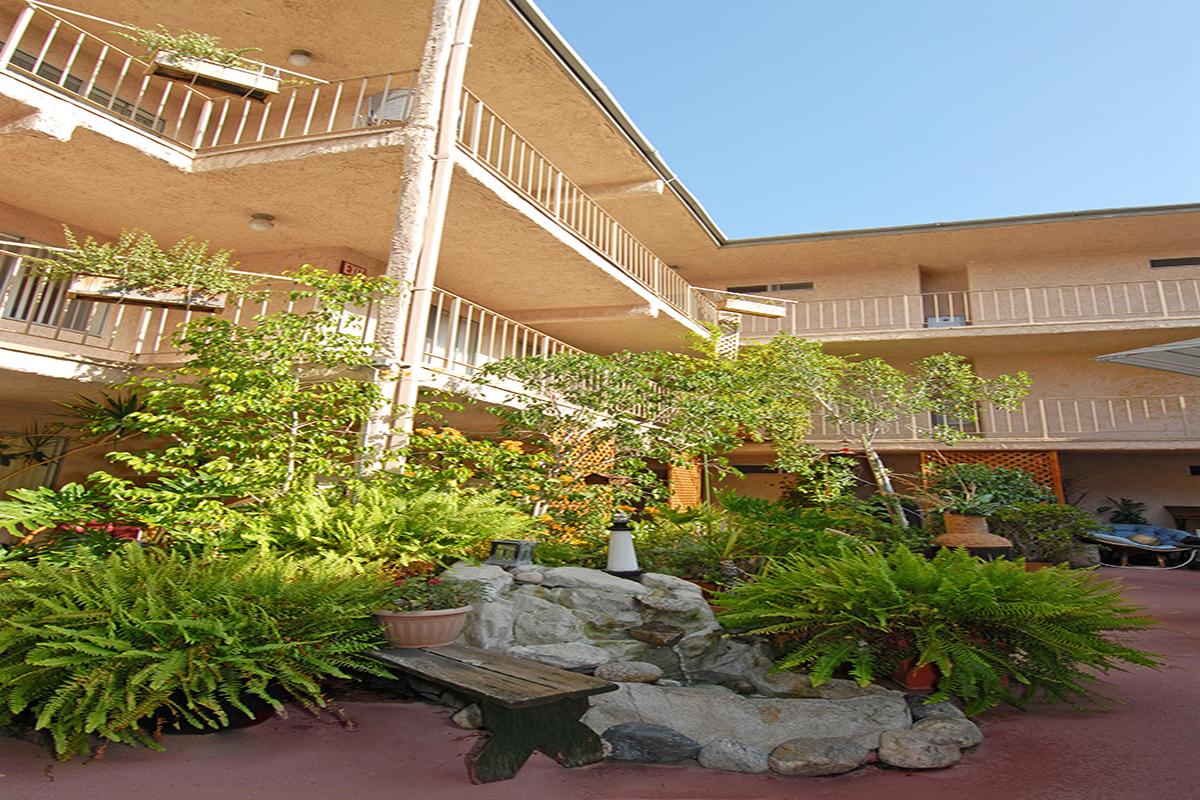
{"x": 1162, "y": 542}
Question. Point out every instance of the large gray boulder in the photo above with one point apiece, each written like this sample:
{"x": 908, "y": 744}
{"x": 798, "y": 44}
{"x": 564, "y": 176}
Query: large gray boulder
{"x": 490, "y": 625}
{"x": 913, "y": 749}
{"x": 812, "y": 757}
{"x": 637, "y": 741}
{"x": 921, "y": 709}
{"x": 656, "y": 580}
{"x": 594, "y": 579}
{"x": 706, "y": 713}
{"x": 731, "y": 756}
{"x": 538, "y": 621}
{"x": 572, "y": 655}
{"x": 495, "y": 579}
{"x": 798, "y": 684}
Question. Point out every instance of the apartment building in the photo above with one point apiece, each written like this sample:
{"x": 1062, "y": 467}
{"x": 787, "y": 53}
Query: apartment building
{"x": 461, "y": 145}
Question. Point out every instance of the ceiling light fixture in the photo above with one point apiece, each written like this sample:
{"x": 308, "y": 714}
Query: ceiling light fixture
{"x": 261, "y": 222}
{"x": 300, "y": 58}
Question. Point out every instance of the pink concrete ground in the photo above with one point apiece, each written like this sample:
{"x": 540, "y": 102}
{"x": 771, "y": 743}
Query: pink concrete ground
{"x": 1148, "y": 747}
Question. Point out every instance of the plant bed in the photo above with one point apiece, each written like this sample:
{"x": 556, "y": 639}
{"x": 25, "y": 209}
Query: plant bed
{"x": 244, "y": 81}
{"x": 111, "y": 290}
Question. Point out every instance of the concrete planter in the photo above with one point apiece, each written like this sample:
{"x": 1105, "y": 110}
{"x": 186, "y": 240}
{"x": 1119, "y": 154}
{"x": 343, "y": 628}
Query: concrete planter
{"x": 241, "y": 81}
{"x": 109, "y": 290}
{"x": 423, "y": 628}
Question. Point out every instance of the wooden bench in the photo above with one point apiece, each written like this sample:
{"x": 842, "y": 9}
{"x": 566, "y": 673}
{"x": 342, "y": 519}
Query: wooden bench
{"x": 526, "y": 706}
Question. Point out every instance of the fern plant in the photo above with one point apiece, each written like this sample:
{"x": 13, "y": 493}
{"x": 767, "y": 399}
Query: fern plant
{"x": 94, "y": 654}
{"x": 995, "y": 632}
{"x": 372, "y": 522}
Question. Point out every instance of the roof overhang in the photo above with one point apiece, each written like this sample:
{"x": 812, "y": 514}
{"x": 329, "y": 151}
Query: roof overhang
{"x": 1181, "y": 357}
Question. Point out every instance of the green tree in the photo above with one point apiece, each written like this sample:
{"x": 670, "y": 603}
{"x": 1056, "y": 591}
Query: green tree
{"x": 640, "y": 408}
{"x": 265, "y": 406}
{"x": 865, "y": 398}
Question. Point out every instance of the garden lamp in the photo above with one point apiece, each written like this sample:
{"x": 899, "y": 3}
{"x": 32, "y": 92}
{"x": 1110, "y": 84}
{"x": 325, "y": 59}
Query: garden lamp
{"x": 622, "y": 559}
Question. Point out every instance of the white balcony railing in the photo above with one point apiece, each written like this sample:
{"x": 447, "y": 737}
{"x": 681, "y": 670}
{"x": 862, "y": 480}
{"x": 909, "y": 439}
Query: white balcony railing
{"x": 1054, "y": 419}
{"x": 462, "y": 336}
{"x": 1169, "y": 299}
{"x": 80, "y": 57}
{"x": 42, "y": 313}
{"x": 493, "y": 143}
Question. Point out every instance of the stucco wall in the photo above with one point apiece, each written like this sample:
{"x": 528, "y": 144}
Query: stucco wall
{"x": 1156, "y": 479}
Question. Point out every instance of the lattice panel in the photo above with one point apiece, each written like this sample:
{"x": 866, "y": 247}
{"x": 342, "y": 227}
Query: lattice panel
{"x": 1041, "y": 464}
{"x": 687, "y": 486}
{"x": 728, "y": 340}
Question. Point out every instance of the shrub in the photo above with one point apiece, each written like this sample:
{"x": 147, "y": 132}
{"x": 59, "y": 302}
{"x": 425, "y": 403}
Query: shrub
{"x": 1005, "y": 486}
{"x": 372, "y": 522}
{"x": 994, "y": 631}
{"x": 1042, "y": 531}
{"x": 99, "y": 651}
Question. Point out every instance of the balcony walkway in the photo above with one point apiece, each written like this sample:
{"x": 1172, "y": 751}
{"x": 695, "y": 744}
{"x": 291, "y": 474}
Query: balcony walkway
{"x": 1145, "y": 747}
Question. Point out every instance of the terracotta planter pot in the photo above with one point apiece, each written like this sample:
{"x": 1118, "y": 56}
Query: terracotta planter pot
{"x": 965, "y": 524}
{"x": 423, "y": 628}
{"x": 917, "y": 679}
{"x": 1033, "y": 566}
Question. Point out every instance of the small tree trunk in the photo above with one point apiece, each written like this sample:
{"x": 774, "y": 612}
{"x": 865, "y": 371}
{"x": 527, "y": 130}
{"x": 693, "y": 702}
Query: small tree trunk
{"x": 883, "y": 480}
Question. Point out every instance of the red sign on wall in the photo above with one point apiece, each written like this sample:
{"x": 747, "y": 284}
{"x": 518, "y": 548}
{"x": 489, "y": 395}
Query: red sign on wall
{"x": 352, "y": 269}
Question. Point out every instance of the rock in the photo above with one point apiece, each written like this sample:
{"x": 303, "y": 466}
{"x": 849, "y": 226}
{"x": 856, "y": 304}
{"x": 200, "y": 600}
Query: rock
{"x": 818, "y": 756}
{"x": 920, "y": 709}
{"x": 706, "y": 713}
{"x": 571, "y": 655}
{"x": 733, "y": 756}
{"x": 657, "y": 634}
{"x": 490, "y": 625}
{"x": 603, "y": 611}
{"x": 655, "y": 744}
{"x": 669, "y": 683}
{"x": 796, "y": 684}
{"x": 494, "y": 579}
{"x": 469, "y": 717}
{"x": 538, "y": 621}
{"x": 913, "y": 749}
{"x": 628, "y": 672}
{"x": 655, "y": 580}
{"x": 452, "y": 699}
{"x": 959, "y": 730}
{"x": 726, "y": 661}
{"x": 677, "y": 602}
{"x": 583, "y": 578}
{"x": 528, "y": 577}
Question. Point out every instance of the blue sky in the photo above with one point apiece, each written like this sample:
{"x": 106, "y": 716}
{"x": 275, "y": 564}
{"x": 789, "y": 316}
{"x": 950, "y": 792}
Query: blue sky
{"x": 787, "y": 116}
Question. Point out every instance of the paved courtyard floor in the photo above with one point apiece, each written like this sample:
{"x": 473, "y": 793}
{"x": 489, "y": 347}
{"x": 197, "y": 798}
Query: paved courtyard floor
{"x": 1146, "y": 748}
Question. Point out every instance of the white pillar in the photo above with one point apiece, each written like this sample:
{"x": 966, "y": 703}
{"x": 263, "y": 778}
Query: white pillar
{"x": 420, "y": 215}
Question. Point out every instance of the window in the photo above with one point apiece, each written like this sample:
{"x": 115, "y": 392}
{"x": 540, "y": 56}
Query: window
{"x": 1187, "y": 261}
{"x": 1194, "y": 469}
{"x": 772, "y": 287}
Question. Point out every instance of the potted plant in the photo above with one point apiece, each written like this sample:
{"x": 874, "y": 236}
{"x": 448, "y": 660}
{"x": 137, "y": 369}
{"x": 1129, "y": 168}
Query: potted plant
{"x": 199, "y": 58}
{"x": 428, "y": 612}
{"x": 1043, "y": 533}
{"x": 134, "y": 269}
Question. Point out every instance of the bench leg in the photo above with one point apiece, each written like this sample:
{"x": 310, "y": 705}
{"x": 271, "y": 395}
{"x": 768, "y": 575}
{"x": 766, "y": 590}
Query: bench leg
{"x": 553, "y": 729}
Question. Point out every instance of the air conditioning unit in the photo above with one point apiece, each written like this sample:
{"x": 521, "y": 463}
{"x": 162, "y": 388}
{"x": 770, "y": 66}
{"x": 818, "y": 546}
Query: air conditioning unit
{"x": 954, "y": 321}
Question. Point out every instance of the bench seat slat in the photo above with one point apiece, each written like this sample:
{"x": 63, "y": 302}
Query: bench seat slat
{"x": 469, "y": 680}
{"x": 570, "y": 684}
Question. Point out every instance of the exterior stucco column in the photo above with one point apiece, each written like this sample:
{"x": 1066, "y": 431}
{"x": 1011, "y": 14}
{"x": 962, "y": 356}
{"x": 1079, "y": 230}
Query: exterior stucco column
{"x": 420, "y": 215}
